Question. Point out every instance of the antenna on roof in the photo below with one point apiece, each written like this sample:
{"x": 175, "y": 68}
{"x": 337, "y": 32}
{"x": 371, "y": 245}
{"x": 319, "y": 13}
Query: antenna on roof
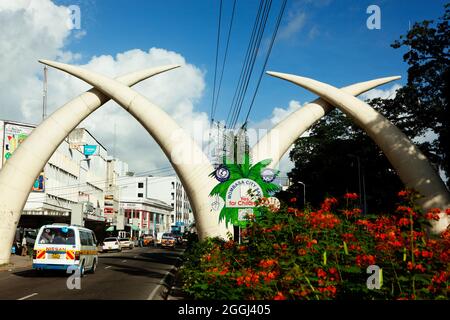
{"x": 44, "y": 95}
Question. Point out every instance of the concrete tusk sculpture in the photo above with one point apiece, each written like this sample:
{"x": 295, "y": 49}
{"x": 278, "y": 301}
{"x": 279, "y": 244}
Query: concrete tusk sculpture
{"x": 188, "y": 160}
{"x": 281, "y": 137}
{"x": 410, "y": 163}
{"x": 18, "y": 173}
{"x": 16, "y": 182}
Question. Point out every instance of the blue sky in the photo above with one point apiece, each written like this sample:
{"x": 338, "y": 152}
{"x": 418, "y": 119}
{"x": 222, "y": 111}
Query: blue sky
{"x": 323, "y": 39}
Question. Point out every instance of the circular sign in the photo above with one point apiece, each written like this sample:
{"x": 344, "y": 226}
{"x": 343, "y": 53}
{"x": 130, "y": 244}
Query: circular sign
{"x": 268, "y": 175}
{"x": 272, "y": 203}
{"x": 222, "y": 173}
{"x": 242, "y": 194}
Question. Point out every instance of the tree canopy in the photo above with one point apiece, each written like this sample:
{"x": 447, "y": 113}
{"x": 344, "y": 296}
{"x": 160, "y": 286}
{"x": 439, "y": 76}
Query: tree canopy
{"x": 338, "y": 157}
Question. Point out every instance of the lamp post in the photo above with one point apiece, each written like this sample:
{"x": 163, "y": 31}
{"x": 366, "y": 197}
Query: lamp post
{"x": 361, "y": 185}
{"x": 304, "y": 193}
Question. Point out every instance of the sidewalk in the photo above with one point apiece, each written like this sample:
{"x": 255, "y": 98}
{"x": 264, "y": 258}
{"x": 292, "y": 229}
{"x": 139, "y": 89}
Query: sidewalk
{"x": 17, "y": 262}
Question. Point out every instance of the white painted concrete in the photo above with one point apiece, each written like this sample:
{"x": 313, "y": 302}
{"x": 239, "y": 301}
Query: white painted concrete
{"x": 410, "y": 163}
{"x": 19, "y": 173}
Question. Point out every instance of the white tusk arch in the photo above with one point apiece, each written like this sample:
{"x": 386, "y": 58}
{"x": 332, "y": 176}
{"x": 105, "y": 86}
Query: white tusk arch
{"x": 410, "y": 163}
{"x": 187, "y": 159}
{"x": 19, "y": 173}
{"x": 279, "y": 139}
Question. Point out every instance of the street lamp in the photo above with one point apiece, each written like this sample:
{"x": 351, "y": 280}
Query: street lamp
{"x": 361, "y": 185}
{"x": 304, "y": 193}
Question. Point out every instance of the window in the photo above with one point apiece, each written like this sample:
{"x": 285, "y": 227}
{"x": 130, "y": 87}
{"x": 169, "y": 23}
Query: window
{"x": 140, "y": 185}
{"x": 84, "y": 238}
{"x": 62, "y": 235}
{"x": 140, "y": 195}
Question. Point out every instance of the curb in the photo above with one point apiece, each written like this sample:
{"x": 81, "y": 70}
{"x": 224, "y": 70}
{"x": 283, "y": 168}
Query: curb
{"x": 163, "y": 289}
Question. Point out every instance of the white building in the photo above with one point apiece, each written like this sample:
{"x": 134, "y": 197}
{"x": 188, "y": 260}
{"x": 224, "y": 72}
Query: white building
{"x": 167, "y": 189}
{"x": 68, "y": 178}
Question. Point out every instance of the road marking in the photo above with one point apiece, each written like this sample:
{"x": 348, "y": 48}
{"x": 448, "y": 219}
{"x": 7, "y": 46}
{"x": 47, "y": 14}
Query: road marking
{"x": 161, "y": 283}
{"x": 124, "y": 260}
{"x": 28, "y": 296}
{"x": 107, "y": 267}
{"x": 135, "y": 257}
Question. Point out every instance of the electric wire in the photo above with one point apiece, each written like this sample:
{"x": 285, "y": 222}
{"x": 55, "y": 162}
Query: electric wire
{"x": 280, "y": 16}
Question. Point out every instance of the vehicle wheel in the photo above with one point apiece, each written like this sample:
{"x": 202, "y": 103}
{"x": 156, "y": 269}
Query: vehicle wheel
{"x": 94, "y": 266}
{"x": 82, "y": 269}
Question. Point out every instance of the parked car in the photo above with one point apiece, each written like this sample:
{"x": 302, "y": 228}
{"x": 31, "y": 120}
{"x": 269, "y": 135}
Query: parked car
{"x": 60, "y": 246}
{"x": 168, "y": 240}
{"x": 126, "y": 243}
{"x": 148, "y": 240}
{"x": 159, "y": 237}
{"x": 112, "y": 243}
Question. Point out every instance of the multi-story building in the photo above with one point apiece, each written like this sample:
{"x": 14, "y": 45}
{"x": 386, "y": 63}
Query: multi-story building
{"x": 143, "y": 211}
{"x": 69, "y": 178}
{"x": 167, "y": 189}
{"x": 170, "y": 190}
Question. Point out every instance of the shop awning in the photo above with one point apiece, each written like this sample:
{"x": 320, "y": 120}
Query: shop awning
{"x": 111, "y": 228}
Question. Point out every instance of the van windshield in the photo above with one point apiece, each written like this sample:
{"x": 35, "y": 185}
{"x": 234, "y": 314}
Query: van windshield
{"x": 60, "y": 235}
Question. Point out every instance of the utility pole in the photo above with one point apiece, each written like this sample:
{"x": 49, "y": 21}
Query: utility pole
{"x": 44, "y": 95}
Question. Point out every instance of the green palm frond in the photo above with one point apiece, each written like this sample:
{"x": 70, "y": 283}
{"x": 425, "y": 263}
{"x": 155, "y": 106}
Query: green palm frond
{"x": 241, "y": 171}
{"x": 255, "y": 171}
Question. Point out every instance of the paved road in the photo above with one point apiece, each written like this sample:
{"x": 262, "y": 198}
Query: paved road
{"x": 139, "y": 273}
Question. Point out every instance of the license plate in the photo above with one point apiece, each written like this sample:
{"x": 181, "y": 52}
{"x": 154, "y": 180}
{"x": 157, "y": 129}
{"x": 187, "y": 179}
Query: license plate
{"x": 55, "y": 255}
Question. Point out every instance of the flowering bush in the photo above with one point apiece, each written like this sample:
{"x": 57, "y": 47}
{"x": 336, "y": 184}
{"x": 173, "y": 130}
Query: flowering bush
{"x": 324, "y": 254}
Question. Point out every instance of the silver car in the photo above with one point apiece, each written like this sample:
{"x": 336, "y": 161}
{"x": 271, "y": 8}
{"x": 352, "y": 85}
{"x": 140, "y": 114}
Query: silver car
{"x": 126, "y": 243}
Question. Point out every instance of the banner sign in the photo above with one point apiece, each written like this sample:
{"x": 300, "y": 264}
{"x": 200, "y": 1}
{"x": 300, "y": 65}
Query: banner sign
{"x": 89, "y": 150}
{"x": 240, "y": 186}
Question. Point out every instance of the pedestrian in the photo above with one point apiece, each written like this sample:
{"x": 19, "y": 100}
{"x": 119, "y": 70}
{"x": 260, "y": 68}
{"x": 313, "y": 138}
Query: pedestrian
{"x": 141, "y": 240}
{"x": 24, "y": 246}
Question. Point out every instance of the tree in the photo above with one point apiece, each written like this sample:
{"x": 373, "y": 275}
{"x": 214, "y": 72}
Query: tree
{"x": 428, "y": 87}
{"x": 327, "y": 160}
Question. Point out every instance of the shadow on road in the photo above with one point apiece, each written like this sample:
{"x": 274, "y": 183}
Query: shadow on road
{"x": 170, "y": 258}
{"x": 41, "y": 274}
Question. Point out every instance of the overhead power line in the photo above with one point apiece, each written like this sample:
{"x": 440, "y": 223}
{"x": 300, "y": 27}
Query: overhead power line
{"x": 274, "y": 35}
{"x": 217, "y": 57}
{"x": 224, "y": 61}
{"x": 257, "y": 18}
{"x": 251, "y": 62}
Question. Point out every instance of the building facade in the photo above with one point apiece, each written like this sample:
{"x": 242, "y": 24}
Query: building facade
{"x": 68, "y": 179}
{"x": 167, "y": 189}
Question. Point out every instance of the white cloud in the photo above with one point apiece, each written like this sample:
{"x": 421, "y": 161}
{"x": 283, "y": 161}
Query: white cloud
{"x": 379, "y": 93}
{"x": 37, "y": 29}
{"x": 296, "y": 20}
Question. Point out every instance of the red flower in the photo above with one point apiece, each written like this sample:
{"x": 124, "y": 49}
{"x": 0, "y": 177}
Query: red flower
{"x": 301, "y": 252}
{"x": 351, "y": 196}
{"x": 291, "y": 210}
{"x": 321, "y": 273}
{"x": 279, "y": 296}
{"x": 365, "y": 260}
{"x": 293, "y": 200}
{"x": 447, "y": 211}
{"x": 403, "y": 193}
{"x": 403, "y": 222}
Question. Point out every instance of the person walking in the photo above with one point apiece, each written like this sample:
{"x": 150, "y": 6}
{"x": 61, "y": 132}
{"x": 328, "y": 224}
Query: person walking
{"x": 24, "y": 246}
{"x": 141, "y": 240}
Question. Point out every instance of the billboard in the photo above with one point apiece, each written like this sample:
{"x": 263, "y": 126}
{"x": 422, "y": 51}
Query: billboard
{"x": 13, "y": 135}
